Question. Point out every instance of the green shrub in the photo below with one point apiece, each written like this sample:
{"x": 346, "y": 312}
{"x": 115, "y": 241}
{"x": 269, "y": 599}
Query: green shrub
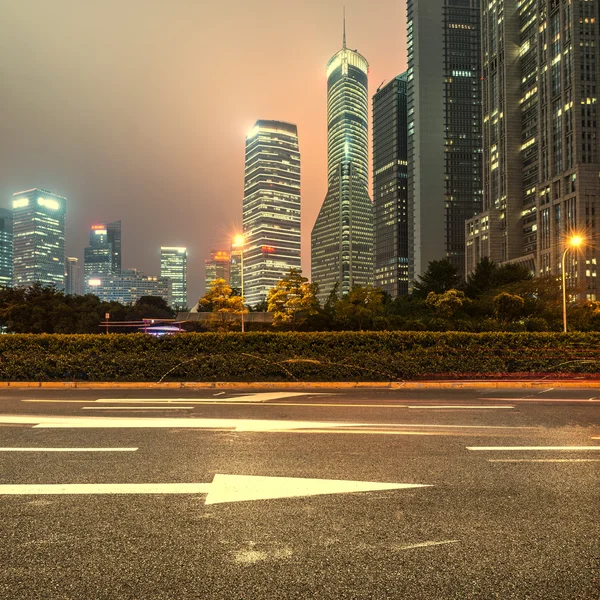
{"x": 289, "y": 356}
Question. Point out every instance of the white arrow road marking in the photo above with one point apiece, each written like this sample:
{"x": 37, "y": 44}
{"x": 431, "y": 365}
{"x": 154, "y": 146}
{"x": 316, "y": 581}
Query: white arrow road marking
{"x": 223, "y": 489}
{"x": 68, "y": 449}
{"x": 235, "y": 424}
{"x": 262, "y": 397}
{"x": 241, "y": 399}
{"x": 105, "y": 488}
{"x": 534, "y": 448}
{"x": 426, "y": 545}
{"x": 239, "y": 488}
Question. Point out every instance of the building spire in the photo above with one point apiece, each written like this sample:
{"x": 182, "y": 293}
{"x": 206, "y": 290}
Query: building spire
{"x": 344, "y": 27}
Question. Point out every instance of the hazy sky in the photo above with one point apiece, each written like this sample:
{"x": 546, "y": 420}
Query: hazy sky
{"x": 138, "y": 109}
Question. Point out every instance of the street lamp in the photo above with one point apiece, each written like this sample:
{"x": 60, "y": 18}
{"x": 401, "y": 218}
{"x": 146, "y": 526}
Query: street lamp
{"x": 238, "y": 242}
{"x": 573, "y": 242}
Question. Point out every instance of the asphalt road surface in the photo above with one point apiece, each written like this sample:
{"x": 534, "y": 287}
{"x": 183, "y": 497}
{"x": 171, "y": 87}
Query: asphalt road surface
{"x": 334, "y": 495}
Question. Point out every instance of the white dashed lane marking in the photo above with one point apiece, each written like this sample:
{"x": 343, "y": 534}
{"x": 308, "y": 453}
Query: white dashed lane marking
{"x": 534, "y": 448}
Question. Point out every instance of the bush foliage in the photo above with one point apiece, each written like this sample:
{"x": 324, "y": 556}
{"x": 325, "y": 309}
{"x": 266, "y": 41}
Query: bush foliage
{"x": 290, "y": 356}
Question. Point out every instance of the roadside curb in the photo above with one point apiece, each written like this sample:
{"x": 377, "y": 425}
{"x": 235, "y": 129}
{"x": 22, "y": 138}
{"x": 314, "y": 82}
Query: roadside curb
{"x": 306, "y": 385}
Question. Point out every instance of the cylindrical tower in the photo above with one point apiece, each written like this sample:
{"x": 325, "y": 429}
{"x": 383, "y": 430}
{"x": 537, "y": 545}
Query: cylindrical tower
{"x": 347, "y": 113}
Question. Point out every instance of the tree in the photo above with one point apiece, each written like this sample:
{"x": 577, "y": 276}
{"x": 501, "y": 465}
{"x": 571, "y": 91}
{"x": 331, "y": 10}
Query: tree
{"x": 441, "y": 276}
{"x": 222, "y": 303}
{"x": 292, "y": 300}
{"x": 150, "y": 307}
{"x": 508, "y": 307}
{"x": 359, "y": 308}
{"x": 446, "y": 304}
{"x": 489, "y": 276}
{"x": 482, "y": 279}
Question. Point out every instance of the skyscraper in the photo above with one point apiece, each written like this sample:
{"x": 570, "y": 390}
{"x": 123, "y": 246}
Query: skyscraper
{"x": 103, "y": 255}
{"x": 113, "y": 231}
{"x": 235, "y": 269}
{"x": 390, "y": 192}
{"x": 217, "y": 267}
{"x": 271, "y": 208}
{"x": 39, "y": 238}
{"x": 173, "y": 264}
{"x": 6, "y": 248}
{"x": 444, "y": 128}
{"x": 541, "y": 71}
{"x": 342, "y": 237}
{"x": 72, "y": 278}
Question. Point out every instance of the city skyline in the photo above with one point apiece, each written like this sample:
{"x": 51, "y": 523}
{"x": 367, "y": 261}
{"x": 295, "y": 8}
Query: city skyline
{"x": 148, "y": 138}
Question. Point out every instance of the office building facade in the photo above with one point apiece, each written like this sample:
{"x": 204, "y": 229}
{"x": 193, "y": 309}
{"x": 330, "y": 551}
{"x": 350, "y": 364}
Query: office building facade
{"x": 72, "y": 277}
{"x": 271, "y": 207}
{"x": 6, "y": 247}
{"x": 217, "y": 267}
{"x": 103, "y": 255}
{"x": 342, "y": 237}
{"x": 235, "y": 269}
{"x": 390, "y": 187}
{"x": 173, "y": 264}
{"x": 39, "y": 238}
{"x": 541, "y": 71}
{"x": 127, "y": 287}
{"x": 444, "y": 128}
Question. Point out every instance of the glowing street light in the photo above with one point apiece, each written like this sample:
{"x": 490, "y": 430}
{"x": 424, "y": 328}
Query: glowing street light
{"x": 573, "y": 242}
{"x": 238, "y": 242}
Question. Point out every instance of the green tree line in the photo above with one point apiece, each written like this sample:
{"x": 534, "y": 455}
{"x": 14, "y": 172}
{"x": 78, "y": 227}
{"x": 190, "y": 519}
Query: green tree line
{"x": 493, "y": 298}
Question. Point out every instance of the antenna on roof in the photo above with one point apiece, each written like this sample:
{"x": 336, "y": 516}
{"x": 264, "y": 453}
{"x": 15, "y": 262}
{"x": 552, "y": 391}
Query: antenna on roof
{"x": 344, "y": 26}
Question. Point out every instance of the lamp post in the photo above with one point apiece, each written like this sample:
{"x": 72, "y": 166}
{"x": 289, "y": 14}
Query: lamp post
{"x": 238, "y": 242}
{"x": 573, "y": 242}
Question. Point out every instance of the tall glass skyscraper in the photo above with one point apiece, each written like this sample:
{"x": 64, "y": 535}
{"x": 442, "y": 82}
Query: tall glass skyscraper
{"x": 39, "y": 238}
{"x": 342, "y": 237}
{"x": 173, "y": 264}
{"x": 541, "y": 148}
{"x": 72, "y": 281}
{"x": 235, "y": 269}
{"x": 271, "y": 208}
{"x": 390, "y": 187}
{"x": 218, "y": 266}
{"x": 103, "y": 255}
{"x": 6, "y": 247}
{"x": 444, "y": 128}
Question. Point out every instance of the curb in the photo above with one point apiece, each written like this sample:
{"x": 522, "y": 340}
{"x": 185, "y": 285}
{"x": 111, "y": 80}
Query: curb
{"x": 306, "y": 385}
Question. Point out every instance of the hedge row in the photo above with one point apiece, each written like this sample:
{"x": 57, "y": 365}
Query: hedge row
{"x": 333, "y": 356}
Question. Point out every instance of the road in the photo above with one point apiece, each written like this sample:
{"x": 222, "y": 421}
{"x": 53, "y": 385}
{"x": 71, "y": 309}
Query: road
{"x": 207, "y": 494}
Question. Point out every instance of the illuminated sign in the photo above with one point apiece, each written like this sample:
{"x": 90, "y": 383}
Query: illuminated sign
{"x": 98, "y": 227}
{"x": 100, "y": 231}
{"x": 267, "y": 249}
{"x": 21, "y": 202}
{"x": 94, "y": 282}
{"x": 48, "y": 203}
